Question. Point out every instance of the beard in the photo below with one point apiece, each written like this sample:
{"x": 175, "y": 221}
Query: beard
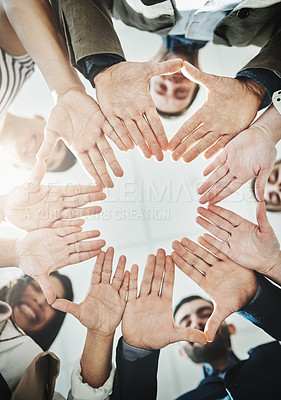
{"x": 211, "y": 351}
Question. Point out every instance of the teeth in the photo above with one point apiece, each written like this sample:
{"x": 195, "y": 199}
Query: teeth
{"x": 28, "y": 311}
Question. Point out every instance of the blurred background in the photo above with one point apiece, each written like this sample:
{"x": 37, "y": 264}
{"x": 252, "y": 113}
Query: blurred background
{"x": 152, "y": 205}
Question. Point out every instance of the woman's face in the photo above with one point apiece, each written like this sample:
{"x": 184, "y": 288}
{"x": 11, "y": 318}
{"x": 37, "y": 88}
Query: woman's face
{"x": 272, "y": 193}
{"x": 32, "y": 312}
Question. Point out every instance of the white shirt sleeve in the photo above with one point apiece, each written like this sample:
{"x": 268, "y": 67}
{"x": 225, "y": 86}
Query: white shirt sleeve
{"x": 83, "y": 391}
{"x": 276, "y": 99}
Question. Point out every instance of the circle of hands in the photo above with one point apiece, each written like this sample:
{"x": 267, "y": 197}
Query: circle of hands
{"x": 222, "y": 265}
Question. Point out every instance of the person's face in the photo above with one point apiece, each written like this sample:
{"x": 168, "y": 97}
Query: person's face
{"x": 23, "y": 139}
{"x": 272, "y": 193}
{"x": 32, "y": 312}
{"x": 171, "y": 93}
{"x": 195, "y": 314}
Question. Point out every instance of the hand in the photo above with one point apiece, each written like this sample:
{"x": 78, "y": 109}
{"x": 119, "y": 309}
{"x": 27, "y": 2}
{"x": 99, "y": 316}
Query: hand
{"x": 229, "y": 109}
{"x": 124, "y": 98}
{"x": 253, "y": 246}
{"x": 148, "y": 318}
{"x": 229, "y": 285}
{"x": 102, "y": 309}
{"x": 251, "y": 154}
{"x": 46, "y": 250}
{"x": 78, "y": 119}
{"x": 31, "y": 206}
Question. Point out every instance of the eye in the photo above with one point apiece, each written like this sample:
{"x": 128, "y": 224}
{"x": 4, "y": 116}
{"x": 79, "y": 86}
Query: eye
{"x": 35, "y": 286}
{"x": 273, "y": 177}
{"x": 205, "y": 314}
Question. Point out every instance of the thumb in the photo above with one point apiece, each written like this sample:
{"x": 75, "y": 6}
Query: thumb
{"x": 262, "y": 220}
{"x": 165, "y": 67}
{"x": 260, "y": 183}
{"x": 37, "y": 174}
{"x": 188, "y": 335}
{"x": 214, "y": 322}
{"x": 48, "y": 145}
{"x": 67, "y": 307}
{"x": 47, "y": 288}
{"x": 194, "y": 74}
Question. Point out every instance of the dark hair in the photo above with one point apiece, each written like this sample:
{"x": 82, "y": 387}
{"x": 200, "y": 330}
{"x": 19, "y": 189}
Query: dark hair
{"x": 268, "y": 206}
{"x": 12, "y": 292}
{"x": 188, "y": 300}
{"x": 68, "y": 161}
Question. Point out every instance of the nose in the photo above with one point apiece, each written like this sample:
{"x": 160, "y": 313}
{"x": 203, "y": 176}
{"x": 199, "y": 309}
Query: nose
{"x": 196, "y": 323}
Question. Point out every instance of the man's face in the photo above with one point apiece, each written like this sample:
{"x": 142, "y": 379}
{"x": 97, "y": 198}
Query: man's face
{"x": 32, "y": 312}
{"x": 195, "y": 314}
{"x": 172, "y": 93}
{"x": 272, "y": 193}
{"x": 23, "y": 139}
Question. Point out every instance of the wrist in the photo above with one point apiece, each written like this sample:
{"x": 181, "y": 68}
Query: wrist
{"x": 3, "y": 202}
{"x": 270, "y": 124}
{"x": 274, "y": 271}
{"x": 253, "y": 87}
{"x": 98, "y": 336}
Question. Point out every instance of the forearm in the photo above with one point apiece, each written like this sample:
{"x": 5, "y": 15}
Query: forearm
{"x": 96, "y": 359}
{"x": 270, "y": 123}
{"x": 8, "y": 255}
{"x": 35, "y": 26}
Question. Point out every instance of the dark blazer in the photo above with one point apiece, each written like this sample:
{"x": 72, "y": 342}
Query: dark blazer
{"x": 256, "y": 378}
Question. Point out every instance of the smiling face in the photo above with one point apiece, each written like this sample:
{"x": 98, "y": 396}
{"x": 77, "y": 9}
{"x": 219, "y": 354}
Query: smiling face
{"x": 33, "y": 313}
{"x": 195, "y": 314}
{"x": 272, "y": 193}
{"x": 22, "y": 138}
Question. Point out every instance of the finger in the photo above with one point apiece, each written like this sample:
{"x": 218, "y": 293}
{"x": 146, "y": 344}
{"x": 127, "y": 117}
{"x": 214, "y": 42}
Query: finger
{"x": 260, "y": 183}
{"x": 76, "y": 190}
{"x": 188, "y": 335}
{"x": 219, "y": 173}
{"x": 230, "y": 216}
{"x": 196, "y": 135}
{"x": 37, "y": 174}
{"x": 69, "y": 213}
{"x": 138, "y": 138}
{"x": 217, "y": 188}
{"x": 165, "y": 67}
{"x": 148, "y": 275}
{"x": 97, "y": 270}
{"x": 220, "y": 144}
{"x": 77, "y": 237}
{"x": 168, "y": 281}
{"x": 215, "y": 219}
{"x": 48, "y": 145}
{"x": 214, "y": 322}
{"x": 100, "y": 166}
{"x": 133, "y": 283}
{"x": 219, "y": 249}
{"x": 119, "y": 273}
{"x": 262, "y": 220}
{"x": 227, "y": 191}
{"x": 201, "y": 146}
{"x": 67, "y": 230}
{"x": 107, "y": 266}
{"x": 122, "y": 132}
{"x": 85, "y": 246}
{"x": 219, "y": 160}
{"x": 185, "y": 130}
{"x": 195, "y": 75}
{"x": 158, "y": 272}
{"x": 76, "y": 258}
{"x": 60, "y": 223}
{"x": 112, "y": 135}
{"x": 199, "y": 251}
{"x": 150, "y": 139}
{"x": 213, "y": 229}
{"x": 108, "y": 154}
{"x": 47, "y": 287}
{"x": 191, "y": 258}
{"x": 90, "y": 169}
{"x": 67, "y": 307}
{"x": 157, "y": 127}
{"x": 82, "y": 199}
{"x": 125, "y": 286}
{"x": 187, "y": 269}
